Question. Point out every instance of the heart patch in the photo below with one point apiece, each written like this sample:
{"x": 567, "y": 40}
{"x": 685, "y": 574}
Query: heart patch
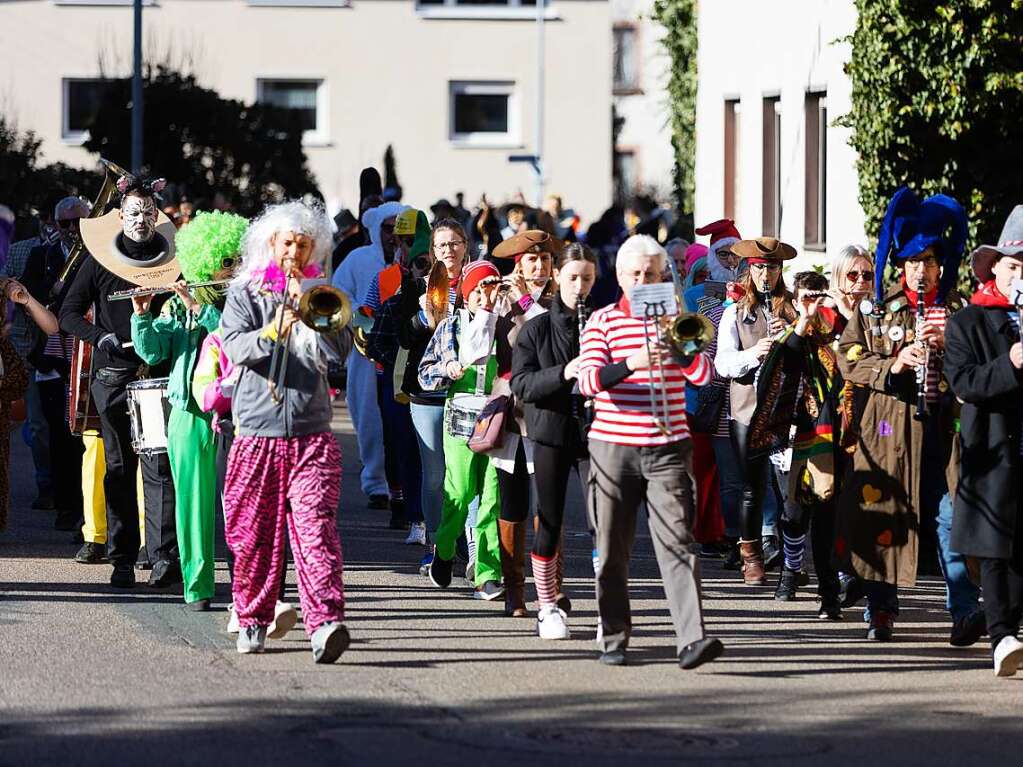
{"x": 871, "y": 494}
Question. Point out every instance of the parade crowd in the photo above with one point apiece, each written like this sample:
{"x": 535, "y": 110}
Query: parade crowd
{"x": 176, "y": 367}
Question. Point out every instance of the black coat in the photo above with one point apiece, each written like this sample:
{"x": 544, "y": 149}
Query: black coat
{"x": 987, "y": 518}
{"x": 542, "y": 349}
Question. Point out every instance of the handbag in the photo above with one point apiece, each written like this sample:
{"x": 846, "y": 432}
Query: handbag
{"x": 488, "y": 433}
{"x": 709, "y": 401}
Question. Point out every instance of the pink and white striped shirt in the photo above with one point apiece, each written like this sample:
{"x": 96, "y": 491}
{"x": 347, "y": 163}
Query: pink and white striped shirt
{"x": 623, "y": 414}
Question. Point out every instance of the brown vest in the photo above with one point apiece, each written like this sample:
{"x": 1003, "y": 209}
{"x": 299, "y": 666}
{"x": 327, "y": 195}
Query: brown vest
{"x": 743, "y": 392}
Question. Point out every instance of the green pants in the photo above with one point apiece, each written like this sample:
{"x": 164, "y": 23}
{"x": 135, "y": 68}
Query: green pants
{"x": 468, "y": 474}
{"x": 193, "y": 461}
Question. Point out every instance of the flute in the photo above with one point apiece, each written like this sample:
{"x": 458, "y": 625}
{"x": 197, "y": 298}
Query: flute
{"x": 121, "y": 295}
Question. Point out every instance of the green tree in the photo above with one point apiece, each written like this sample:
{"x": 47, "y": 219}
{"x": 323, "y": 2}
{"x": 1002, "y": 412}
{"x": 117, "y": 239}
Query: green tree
{"x": 197, "y": 139}
{"x": 937, "y": 95}
{"x": 678, "y": 17}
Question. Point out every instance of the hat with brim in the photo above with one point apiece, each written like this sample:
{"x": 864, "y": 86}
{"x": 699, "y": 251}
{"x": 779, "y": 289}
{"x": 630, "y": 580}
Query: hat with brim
{"x": 441, "y": 204}
{"x": 1010, "y": 243}
{"x": 508, "y": 207}
{"x": 529, "y": 241}
{"x": 763, "y": 250}
{"x": 100, "y": 238}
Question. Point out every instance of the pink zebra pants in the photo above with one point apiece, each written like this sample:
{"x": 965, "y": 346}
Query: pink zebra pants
{"x": 278, "y": 482}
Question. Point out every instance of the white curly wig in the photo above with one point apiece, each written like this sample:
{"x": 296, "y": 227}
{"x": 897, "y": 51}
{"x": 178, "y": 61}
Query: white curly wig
{"x": 295, "y": 216}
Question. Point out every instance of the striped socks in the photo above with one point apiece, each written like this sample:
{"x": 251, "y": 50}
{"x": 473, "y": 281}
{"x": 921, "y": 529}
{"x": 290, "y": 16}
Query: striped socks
{"x": 545, "y": 576}
{"x": 795, "y": 546}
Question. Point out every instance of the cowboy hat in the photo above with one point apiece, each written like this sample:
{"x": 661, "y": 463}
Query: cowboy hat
{"x": 1010, "y": 243}
{"x": 529, "y": 241}
{"x": 763, "y": 249}
{"x": 100, "y": 237}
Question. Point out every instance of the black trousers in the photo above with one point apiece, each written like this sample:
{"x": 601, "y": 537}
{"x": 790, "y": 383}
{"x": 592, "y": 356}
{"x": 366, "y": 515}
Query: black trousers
{"x": 1002, "y": 584}
{"x": 65, "y": 448}
{"x": 755, "y": 481}
{"x": 121, "y": 467}
{"x": 158, "y": 493}
{"x": 514, "y": 488}
{"x": 820, "y": 519}
{"x": 552, "y": 467}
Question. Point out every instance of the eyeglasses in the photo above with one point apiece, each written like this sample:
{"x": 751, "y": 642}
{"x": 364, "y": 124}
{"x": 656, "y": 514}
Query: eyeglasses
{"x": 929, "y": 262}
{"x": 854, "y": 275}
{"x": 453, "y": 245}
{"x": 766, "y": 267}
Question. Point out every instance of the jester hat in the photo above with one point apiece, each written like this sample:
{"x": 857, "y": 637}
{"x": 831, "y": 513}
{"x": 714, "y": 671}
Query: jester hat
{"x": 910, "y": 227}
{"x": 209, "y": 243}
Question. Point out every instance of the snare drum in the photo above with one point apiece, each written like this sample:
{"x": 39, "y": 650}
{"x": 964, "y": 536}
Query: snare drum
{"x": 149, "y": 411}
{"x": 460, "y": 414}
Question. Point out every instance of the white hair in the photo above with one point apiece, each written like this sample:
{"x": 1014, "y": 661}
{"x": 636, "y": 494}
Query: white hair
{"x": 843, "y": 262}
{"x": 295, "y": 216}
{"x": 642, "y": 246}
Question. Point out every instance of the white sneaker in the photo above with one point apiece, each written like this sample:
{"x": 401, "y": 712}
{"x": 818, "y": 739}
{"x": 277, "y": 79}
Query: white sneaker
{"x": 552, "y": 623}
{"x": 251, "y": 639}
{"x": 285, "y": 618}
{"x": 232, "y": 620}
{"x": 416, "y": 534}
{"x": 1008, "y": 656}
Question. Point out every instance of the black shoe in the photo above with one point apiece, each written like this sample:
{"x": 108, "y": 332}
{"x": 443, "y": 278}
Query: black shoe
{"x": 788, "y": 583}
{"x": 199, "y": 606}
{"x": 379, "y": 501}
{"x": 882, "y": 625}
{"x": 43, "y": 503}
{"x": 851, "y": 592}
{"x": 733, "y": 560}
{"x": 440, "y": 572}
{"x": 564, "y": 604}
{"x": 703, "y": 651}
{"x": 92, "y": 554}
{"x": 802, "y": 578}
{"x": 142, "y": 560}
{"x": 772, "y": 552}
{"x": 123, "y": 577}
{"x": 165, "y": 573}
{"x": 830, "y": 610}
{"x": 968, "y": 631}
{"x": 66, "y": 521}
{"x": 613, "y": 658}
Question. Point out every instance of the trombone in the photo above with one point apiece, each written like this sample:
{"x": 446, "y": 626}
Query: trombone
{"x": 322, "y": 308}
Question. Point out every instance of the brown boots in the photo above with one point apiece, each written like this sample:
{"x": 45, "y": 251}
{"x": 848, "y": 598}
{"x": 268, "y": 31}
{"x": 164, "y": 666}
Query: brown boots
{"x": 753, "y": 573}
{"x": 513, "y": 567}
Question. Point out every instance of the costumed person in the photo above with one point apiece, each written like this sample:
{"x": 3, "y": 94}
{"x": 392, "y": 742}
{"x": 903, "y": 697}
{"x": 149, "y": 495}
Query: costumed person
{"x": 984, "y": 365}
{"x": 545, "y": 371}
{"x": 130, "y": 247}
{"x": 354, "y": 277}
{"x": 904, "y": 467}
{"x": 207, "y": 248}
{"x": 799, "y": 389}
{"x": 464, "y": 357}
{"x": 526, "y": 293}
{"x": 13, "y": 385}
{"x": 411, "y": 265}
{"x": 748, "y": 329}
{"x": 284, "y": 470}
{"x": 635, "y": 457}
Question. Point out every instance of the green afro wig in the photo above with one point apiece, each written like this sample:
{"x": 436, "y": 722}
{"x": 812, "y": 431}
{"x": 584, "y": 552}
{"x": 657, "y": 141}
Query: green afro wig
{"x": 209, "y": 243}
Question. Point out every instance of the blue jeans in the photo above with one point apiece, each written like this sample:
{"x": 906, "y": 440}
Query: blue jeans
{"x": 730, "y": 483}
{"x": 774, "y": 499}
{"x": 961, "y": 595}
{"x": 428, "y": 421}
{"x": 881, "y": 597}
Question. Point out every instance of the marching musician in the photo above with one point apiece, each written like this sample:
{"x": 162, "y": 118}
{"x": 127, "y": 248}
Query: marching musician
{"x": 983, "y": 362}
{"x": 903, "y": 472}
{"x": 545, "y": 368}
{"x": 130, "y": 246}
{"x": 284, "y": 470}
{"x": 207, "y": 248}
{"x": 636, "y": 458}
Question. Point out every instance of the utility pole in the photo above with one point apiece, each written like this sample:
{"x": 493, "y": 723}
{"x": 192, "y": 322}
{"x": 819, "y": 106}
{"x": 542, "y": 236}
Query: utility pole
{"x": 136, "y": 95}
{"x": 541, "y": 17}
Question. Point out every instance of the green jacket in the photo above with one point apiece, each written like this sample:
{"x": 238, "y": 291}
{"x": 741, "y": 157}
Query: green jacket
{"x": 175, "y": 335}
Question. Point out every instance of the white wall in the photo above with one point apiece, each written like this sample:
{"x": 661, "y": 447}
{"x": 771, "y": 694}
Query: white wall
{"x": 750, "y": 49}
{"x": 387, "y": 70}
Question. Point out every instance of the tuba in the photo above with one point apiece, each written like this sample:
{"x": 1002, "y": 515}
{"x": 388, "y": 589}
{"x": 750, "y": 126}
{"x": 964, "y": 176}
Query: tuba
{"x": 113, "y": 171}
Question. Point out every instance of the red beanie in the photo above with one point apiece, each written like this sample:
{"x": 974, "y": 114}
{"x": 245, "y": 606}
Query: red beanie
{"x": 720, "y": 229}
{"x": 474, "y": 273}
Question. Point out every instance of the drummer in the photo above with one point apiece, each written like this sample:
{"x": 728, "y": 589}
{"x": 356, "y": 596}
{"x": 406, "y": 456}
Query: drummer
{"x": 459, "y": 359}
{"x": 207, "y": 248}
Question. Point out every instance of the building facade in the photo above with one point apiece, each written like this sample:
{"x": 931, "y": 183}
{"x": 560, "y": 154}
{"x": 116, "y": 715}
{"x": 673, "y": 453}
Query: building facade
{"x": 450, "y": 84}
{"x": 768, "y": 151}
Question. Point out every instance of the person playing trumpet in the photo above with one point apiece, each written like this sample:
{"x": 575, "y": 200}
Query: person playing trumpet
{"x": 284, "y": 469}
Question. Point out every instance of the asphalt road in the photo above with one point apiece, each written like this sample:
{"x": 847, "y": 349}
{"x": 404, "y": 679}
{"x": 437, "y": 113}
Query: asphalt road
{"x": 93, "y": 676}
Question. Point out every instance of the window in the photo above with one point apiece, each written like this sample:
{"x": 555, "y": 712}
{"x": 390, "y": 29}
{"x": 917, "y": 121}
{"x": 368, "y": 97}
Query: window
{"x": 483, "y": 113}
{"x": 816, "y": 200}
{"x": 626, "y": 175}
{"x": 474, "y": 9}
{"x": 772, "y": 166}
{"x": 731, "y": 163}
{"x": 306, "y": 97}
{"x": 82, "y": 100}
{"x": 626, "y": 59}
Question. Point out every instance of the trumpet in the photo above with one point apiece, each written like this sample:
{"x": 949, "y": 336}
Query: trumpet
{"x": 322, "y": 308}
{"x": 121, "y": 295}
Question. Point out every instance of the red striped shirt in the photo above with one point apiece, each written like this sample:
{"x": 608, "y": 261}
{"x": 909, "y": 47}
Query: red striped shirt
{"x": 623, "y": 414}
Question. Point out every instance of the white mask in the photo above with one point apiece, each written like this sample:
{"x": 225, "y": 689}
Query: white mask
{"x": 138, "y": 218}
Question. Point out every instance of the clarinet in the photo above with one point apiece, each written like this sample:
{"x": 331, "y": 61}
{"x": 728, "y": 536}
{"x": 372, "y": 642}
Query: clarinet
{"x": 582, "y": 406}
{"x": 921, "y": 370}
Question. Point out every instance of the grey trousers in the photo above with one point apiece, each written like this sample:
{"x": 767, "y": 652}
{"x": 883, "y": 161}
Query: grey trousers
{"x": 621, "y": 478}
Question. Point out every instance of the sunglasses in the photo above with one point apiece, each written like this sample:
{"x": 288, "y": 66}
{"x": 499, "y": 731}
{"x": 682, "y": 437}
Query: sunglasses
{"x": 855, "y": 275}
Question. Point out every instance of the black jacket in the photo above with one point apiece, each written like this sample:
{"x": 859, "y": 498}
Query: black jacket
{"x": 543, "y": 347}
{"x": 414, "y": 335}
{"x": 987, "y": 518}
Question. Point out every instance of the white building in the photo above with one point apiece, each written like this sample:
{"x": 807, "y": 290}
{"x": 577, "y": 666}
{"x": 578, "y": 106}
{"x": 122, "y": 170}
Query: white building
{"x": 768, "y": 153}
{"x": 643, "y": 155}
{"x": 451, "y": 84}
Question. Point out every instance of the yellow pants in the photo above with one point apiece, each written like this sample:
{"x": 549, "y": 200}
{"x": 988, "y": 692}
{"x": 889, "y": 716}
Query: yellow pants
{"x": 94, "y": 500}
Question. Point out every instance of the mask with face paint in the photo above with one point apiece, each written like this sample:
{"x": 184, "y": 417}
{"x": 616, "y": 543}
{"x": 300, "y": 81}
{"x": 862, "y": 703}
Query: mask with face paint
{"x": 138, "y": 218}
